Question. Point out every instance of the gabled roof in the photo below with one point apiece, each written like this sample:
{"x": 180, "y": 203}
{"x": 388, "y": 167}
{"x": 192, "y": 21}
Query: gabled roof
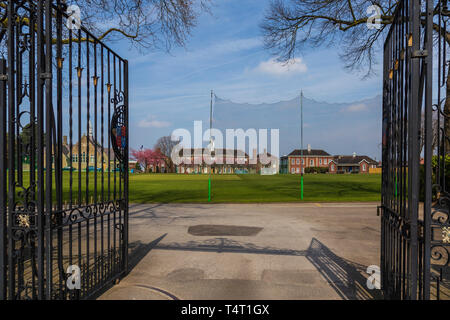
{"x": 75, "y": 146}
{"x": 188, "y": 151}
{"x": 353, "y": 160}
{"x": 312, "y": 152}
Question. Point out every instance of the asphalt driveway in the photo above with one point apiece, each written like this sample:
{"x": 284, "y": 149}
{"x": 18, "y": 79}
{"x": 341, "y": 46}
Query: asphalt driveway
{"x": 251, "y": 251}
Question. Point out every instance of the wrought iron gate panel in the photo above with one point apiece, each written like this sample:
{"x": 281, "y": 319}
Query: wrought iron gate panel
{"x": 64, "y": 155}
{"x": 396, "y": 224}
{"x": 415, "y": 202}
{"x": 438, "y": 142}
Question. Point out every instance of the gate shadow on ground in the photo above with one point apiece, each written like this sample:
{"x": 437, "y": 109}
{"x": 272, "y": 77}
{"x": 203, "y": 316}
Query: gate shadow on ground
{"x": 135, "y": 209}
{"x": 137, "y": 251}
{"x": 345, "y": 277}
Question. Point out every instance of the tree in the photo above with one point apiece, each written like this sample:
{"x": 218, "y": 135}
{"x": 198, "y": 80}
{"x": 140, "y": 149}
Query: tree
{"x": 165, "y": 145}
{"x": 147, "y": 158}
{"x": 147, "y": 24}
{"x": 143, "y": 157}
{"x": 291, "y": 25}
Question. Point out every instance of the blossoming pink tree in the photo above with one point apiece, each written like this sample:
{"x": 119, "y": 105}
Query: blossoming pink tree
{"x": 148, "y": 158}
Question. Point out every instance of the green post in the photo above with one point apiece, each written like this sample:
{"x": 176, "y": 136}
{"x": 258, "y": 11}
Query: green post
{"x": 301, "y": 183}
{"x": 301, "y": 148}
{"x": 209, "y": 189}
{"x": 211, "y": 144}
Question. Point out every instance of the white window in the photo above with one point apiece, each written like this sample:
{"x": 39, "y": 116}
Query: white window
{"x": 311, "y": 162}
{"x": 298, "y": 161}
{"x": 293, "y": 161}
{"x": 332, "y": 167}
{"x": 364, "y": 167}
{"x": 293, "y": 170}
{"x": 320, "y": 161}
{"x": 298, "y": 170}
{"x": 92, "y": 159}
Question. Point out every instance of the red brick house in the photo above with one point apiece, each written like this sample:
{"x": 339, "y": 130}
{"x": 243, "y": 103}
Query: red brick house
{"x": 351, "y": 164}
{"x": 311, "y": 158}
{"x": 196, "y": 161}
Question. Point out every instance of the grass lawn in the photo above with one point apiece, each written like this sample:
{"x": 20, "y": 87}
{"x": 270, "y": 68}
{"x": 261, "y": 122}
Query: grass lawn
{"x": 181, "y": 188}
{"x": 147, "y": 188}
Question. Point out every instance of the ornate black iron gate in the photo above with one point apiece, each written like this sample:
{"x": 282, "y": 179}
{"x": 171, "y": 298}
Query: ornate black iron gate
{"x": 415, "y": 199}
{"x": 63, "y": 155}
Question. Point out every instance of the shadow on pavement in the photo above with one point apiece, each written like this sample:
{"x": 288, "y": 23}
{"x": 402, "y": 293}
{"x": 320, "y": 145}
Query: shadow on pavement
{"x": 220, "y": 245}
{"x": 347, "y": 278}
{"x": 139, "y": 250}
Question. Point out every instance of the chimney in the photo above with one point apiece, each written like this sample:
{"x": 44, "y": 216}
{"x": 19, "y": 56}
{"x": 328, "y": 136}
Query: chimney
{"x": 65, "y": 139}
{"x": 254, "y": 154}
{"x": 309, "y": 148}
{"x": 354, "y": 154}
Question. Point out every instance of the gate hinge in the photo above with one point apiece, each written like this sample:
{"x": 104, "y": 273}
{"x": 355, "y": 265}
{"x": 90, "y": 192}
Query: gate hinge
{"x": 379, "y": 208}
{"x": 420, "y": 54}
{"x": 3, "y": 77}
{"x": 46, "y": 75}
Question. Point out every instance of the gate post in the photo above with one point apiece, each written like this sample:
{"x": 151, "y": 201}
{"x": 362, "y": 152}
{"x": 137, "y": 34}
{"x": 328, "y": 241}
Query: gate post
{"x": 49, "y": 123}
{"x": 40, "y": 151}
{"x": 126, "y": 169}
{"x": 428, "y": 152}
{"x": 11, "y": 148}
{"x": 413, "y": 150}
{"x": 3, "y": 220}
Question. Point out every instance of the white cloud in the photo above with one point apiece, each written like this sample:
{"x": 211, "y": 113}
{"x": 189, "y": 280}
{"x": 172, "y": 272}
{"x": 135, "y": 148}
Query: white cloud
{"x": 151, "y": 122}
{"x": 273, "y": 67}
{"x": 355, "y": 108}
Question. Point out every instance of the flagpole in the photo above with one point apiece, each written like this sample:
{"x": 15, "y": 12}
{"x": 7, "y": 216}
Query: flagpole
{"x": 210, "y": 141}
{"x": 301, "y": 149}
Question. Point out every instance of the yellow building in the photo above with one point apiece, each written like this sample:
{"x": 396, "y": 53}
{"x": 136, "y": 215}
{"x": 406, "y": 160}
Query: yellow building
{"x": 89, "y": 147}
{"x": 85, "y": 158}
{"x": 83, "y": 155}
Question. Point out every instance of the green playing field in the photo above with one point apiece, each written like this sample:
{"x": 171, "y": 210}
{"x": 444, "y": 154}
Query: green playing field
{"x": 167, "y": 188}
{"x": 147, "y": 188}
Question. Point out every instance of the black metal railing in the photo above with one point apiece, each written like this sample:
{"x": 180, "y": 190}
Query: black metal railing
{"x": 64, "y": 155}
{"x": 412, "y": 241}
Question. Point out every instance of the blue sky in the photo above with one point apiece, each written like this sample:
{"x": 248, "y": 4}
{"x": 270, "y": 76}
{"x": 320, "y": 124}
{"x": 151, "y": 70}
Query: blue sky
{"x": 226, "y": 54}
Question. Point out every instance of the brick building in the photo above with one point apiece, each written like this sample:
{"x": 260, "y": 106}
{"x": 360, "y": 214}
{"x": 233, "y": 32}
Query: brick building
{"x": 292, "y": 162}
{"x": 196, "y": 161}
{"x": 352, "y": 164}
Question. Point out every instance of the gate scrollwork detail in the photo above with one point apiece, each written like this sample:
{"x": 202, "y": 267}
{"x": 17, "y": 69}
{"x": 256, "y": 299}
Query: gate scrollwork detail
{"x": 118, "y": 127}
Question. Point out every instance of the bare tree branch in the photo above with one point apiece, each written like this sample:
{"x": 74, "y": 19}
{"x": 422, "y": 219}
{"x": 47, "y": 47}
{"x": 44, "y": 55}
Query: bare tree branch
{"x": 290, "y": 26}
{"x": 147, "y": 24}
{"x": 165, "y": 145}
